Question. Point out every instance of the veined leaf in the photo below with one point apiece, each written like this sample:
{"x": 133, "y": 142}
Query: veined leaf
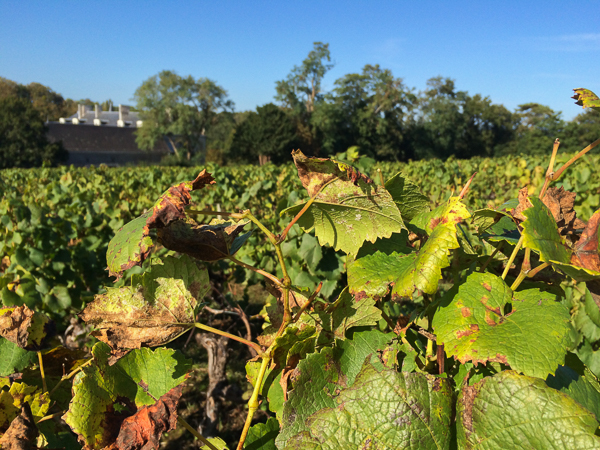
{"x": 372, "y": 275}
{"x": 486, "y": 321}
{"x": 150, "y": 311}
{"x": 407, "y": 196}
{"x": 262, "y": 436}
{"x": 12, "y": 398}
{"x": 396, "y": 410}
{"x": 514, "y": 411}
{"x": 105, "y": 398}
{"x": 348, "y": 210}
{"x": 14, "y": 358}
{"x": 583, "y": 389}
{"x": 540, "y": 233}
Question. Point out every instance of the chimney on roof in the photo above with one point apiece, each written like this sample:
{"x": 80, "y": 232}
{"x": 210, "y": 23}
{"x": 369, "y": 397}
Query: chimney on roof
{"x": 97, "y": 111}
{"x": 123, "y": 116}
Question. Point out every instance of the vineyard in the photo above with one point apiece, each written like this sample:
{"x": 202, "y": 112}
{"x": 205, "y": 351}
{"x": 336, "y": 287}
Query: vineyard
{"x": 424, "y": 305}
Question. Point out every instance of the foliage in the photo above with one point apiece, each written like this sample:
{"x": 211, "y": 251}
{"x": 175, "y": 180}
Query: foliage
{"x": 23, "y": 141}
{"x": 446, "y": 336}
{"x": 178, "y": 108}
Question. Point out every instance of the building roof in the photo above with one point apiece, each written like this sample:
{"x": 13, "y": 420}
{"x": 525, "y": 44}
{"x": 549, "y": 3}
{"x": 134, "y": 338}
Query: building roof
{"x": 86, "y": 116}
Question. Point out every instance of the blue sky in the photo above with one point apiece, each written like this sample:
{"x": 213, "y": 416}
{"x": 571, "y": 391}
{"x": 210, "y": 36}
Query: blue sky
{"x": 512, "y": 51}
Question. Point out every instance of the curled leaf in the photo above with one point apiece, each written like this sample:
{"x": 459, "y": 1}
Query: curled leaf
{"x": 211, "y": 242}
{"x": 586, "y": 98}
{"x": 154, "y": 309}
{"x": 560, "y": 203}
{"x": 24, "y": 327}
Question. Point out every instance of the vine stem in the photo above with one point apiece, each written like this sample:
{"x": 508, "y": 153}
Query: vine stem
{"x": 201, "y": 438}
{"x": 496, "y": 250}
{"x": 45, "y": 387}
{"x": 71, "y": 375}
{"x": 253, "y": 402}
{"x": 227, "y": 335}
{"x": 465, "y": 188}
{"x": 550, "y": 171}
{"x": 525, "y": 268}
{"x": 308, "y": 303}
{"x": 556, "y": 175}
{"x": 268, "y": 275}
{"x": 532, "y": 273}
{"x": 512, "y": 257}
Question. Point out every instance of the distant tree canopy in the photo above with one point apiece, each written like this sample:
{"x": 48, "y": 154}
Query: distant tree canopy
{"x": 23, "y": 141}
{"x": 179, "y": 108}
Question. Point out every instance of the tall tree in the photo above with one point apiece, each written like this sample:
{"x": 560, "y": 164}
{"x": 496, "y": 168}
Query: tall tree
{"x": 269, "y": 134}
{"x": 538, "y": 126}
{"x": 582, "y": 130}
{"x": 370, "y": 110}
{"x": 301, "y": 91}
{"x": 179, "y": 108}
{"x": 23, "y": 141}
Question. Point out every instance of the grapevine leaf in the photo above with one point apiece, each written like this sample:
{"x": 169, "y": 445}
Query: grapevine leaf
{"x": 171, "y": 205}
{"x": 560, "y": 203}
{"x": 211, "y": 242}
{"x": 354, "y": 351}
{"x": 129, "y": 247}
{"x": 372, "y": 275}
{"x": 540, "y": 233}
{"x": 396, "y": 410}
{"x": 314, "y": 173}
{"x": 219, "y": 443}
{"x": 487, "y": 217}
{"x": 14, "y": 396}
{"x": 262, "y": 436}
{"x": 504, "y": 230}
{"x": 21, "y": 433}
{"x": 586, "y": 98}
{"x": 514, "y": 411}
{"x": 349, "y": 210}
{"x": 132, "y": 243}
{"x": 24, "y": 327}
{"x": 105, "y": 396}
{"x": 270, "y": 388}
{"x": 486, "y": 321}
{"x": 13, "y": 358}
{"x": 152, "y": 310}
{"x": 582, "y": 389}
{"x": 407, "y": 196}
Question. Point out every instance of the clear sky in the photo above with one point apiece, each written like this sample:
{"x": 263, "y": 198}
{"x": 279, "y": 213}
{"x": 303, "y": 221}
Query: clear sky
{"x": 512, "y": 51}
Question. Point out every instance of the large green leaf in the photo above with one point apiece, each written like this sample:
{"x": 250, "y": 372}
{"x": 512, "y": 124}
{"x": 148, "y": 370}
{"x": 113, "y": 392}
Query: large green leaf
{"x": 383, "y": 409}
{"x": 348, "y": 210}
{"x": 540, "y": 233}
{"x": 583, "y": 389}
{"x": 407, "y": 196}
{"x": 262, "y": 436}
{"x": 104, "y": 396}
{"x": 372, "y": 275}
{"x": 509, "y": 411}
{"x": 14, "y": 358}
{"x": 486, "y": 321}
{"x": 150, "y": 311}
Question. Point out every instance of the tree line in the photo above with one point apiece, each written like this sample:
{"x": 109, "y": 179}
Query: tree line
{"x": 373, "y": 111}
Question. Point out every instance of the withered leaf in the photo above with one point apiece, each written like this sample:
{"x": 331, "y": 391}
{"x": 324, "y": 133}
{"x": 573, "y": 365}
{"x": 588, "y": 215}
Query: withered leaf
{"x": 171, "y": 205}
{"x": 211, "y": 242}
{"x": 153, "y": 309}
{"x": 524, "y": 204}
{"x": 585, "y": 251}
{"x": 24, "y": 327}
{"x": 21, "y": 433}
{"x": 560, "y": 203}
{"x": 315, "y": 172}
{"x": 144, "y": 429}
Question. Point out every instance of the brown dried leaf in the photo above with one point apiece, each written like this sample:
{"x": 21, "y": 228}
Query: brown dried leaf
{"x": 24, "y": 327}
{"x": 315, "y": 172}
{"x": 144, "y": 429}
{"x": 210, "y": 242}
{"x": 171, "y": 205}
{"x": 585, "y": 252}
{"x": 524, "y": 204}
{"x": 22, "y": 432}
{"x": 560, "y": 203}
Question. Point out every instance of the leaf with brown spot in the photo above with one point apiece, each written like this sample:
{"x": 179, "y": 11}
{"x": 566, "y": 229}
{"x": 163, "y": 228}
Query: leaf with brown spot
{"x": 24, "y": 327}
{"x": 171, "y": 205}
{"x": 217, "y": 240}
{"x": 145, "y": 428}
{"x": 524, "y": 204}
{"x": 529, "y": 330}
{"x": 109, "y": 405}
{"x": 586, "y": 98}
{"x": 152, "y": 310}
{"x": 132, "y": 243}
{"x": 560, "y": 203}
{"x": 22, "y": 432}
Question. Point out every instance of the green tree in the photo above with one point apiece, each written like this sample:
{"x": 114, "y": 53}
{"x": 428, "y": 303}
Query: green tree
{"x": 451, "y": 122}
{"x": 269, "y": 134}
{"x": 301, "y": 92}
{"x": 581, "y": 131}
{"x": 370, "y": 110}
{"x": 23, "y": 141}
{"x": 538, "y": 127}
{"x": 181, "y": 109}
